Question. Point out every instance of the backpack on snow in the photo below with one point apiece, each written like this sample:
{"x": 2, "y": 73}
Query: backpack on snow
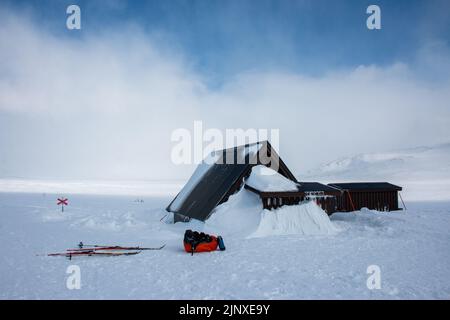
{"x": 201, "y": 242}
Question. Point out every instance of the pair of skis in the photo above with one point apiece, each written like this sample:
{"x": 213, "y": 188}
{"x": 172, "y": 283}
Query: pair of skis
{"x": 96, "y": 247}
{"x": 70, "y": 254}
{"x": 101, "y": 250}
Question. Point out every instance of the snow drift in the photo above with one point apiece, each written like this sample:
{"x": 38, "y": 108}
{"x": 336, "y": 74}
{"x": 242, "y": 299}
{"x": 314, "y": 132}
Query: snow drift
{"x": 243, "y": 212}
{"x": 239, "y": 215}
{"x": 306, "y": 218}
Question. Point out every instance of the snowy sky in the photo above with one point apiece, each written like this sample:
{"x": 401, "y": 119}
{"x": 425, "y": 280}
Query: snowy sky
{"x": 103, "y": 101}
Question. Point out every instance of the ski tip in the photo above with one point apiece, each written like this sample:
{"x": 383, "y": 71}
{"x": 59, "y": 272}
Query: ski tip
{"x": 159, "y": 248}
{"x": 153, "y": 248}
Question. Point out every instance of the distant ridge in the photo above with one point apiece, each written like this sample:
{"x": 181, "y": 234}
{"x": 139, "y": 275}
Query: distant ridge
{"x": 424, "y": 171}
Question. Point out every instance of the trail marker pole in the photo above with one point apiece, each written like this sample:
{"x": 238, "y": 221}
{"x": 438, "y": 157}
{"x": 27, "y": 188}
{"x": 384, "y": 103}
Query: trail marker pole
{"x": 62, "y": 202}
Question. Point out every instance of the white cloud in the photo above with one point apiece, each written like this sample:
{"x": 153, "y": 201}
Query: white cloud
{"x": 104, "y": 106}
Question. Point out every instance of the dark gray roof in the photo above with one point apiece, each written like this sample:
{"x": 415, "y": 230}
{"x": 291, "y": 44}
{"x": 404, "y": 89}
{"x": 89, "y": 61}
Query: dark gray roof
{"x": 315, "y": 186}
{"x": 201, "y": 195}
{"x": 366, "y": 186}
{"x": 209, "y": 191}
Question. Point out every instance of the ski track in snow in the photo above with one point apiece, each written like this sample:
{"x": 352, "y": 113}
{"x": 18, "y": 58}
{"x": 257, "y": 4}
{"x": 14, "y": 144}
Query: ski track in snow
{"x": 411, "y": 248}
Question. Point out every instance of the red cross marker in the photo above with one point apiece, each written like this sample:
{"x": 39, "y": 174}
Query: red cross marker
{"x": 62, "y": 202}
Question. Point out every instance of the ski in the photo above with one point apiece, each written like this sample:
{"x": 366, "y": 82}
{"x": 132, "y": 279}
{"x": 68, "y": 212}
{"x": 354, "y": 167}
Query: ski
{"x": 71, "y": 254}
{"x": 81, "y": 247}
{"x": 101, "y": 250}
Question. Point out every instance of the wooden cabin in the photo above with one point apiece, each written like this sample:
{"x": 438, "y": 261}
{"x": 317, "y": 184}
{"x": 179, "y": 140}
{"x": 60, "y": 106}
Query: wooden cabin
{"x": 325, "y": 196}
{"x": 380, "y": 196}
{"x": 213, "y": 184}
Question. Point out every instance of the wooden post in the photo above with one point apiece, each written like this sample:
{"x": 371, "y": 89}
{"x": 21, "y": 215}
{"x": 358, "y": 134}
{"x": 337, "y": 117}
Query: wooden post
{"x": 351, "y": 201}
{"x": 402, "y": 200}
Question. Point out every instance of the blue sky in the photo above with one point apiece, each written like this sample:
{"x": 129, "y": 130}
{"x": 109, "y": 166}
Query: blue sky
{"x": 220, "y": 38}
{"x": 115, "y": 91}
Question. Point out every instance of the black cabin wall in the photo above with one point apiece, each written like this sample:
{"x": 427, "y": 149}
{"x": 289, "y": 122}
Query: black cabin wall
{"x": 375, "y": 200}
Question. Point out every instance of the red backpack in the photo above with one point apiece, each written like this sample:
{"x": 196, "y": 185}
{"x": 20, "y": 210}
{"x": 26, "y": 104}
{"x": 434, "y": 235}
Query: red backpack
{"x": 201, "y": 242}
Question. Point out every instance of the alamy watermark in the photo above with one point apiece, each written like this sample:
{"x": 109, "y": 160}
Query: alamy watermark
{"x": 374, "y": 279}
{"x": 73, "y": 21}
{"x": 373, "y": 22}
{"x": 73, "y": 281}
{"x": 206, "y": 145}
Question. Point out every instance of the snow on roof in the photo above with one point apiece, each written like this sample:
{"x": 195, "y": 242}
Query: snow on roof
{"x": 207, "y": 163}
{"x": 251, "y": 149}
{"x": 196, "y": 177}
{"x": 264, "y": 178}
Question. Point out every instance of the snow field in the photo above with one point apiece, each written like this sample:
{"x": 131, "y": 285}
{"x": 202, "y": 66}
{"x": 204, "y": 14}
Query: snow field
{"x": 411, "y": 249}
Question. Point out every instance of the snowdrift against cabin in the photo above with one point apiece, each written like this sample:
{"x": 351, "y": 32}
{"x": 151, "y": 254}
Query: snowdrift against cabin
{"x": 244, "y": 207}
{"x": 306, "y": 218}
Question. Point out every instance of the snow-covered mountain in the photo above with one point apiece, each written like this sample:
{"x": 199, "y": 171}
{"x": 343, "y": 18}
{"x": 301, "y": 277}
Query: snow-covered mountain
{"x": 423, "y": 172}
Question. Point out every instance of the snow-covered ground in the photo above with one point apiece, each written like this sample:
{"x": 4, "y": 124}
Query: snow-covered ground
{"x": 289, "y": 253}
{"x": 411, "y": 248}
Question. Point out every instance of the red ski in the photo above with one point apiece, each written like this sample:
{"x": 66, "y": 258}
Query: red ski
{"x": 71, "y": 254}
{"x": 93, "y": 247}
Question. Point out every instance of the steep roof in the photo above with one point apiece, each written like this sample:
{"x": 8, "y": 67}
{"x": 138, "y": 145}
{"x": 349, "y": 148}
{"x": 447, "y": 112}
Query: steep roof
{"x": 216, "y": 179}
{"x": 366, "y": 186}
